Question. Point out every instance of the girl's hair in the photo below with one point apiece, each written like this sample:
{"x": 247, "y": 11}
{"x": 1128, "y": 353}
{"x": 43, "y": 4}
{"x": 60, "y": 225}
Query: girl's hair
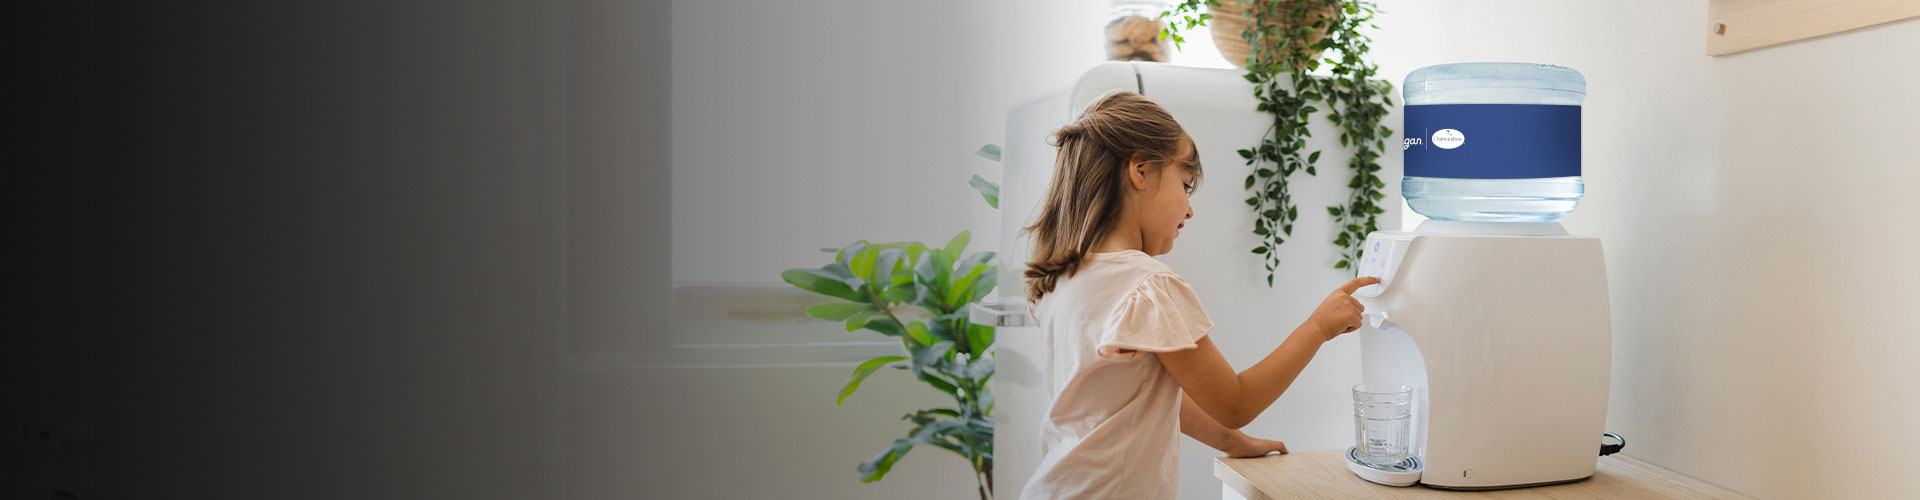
{"x": 1084, "y": 201}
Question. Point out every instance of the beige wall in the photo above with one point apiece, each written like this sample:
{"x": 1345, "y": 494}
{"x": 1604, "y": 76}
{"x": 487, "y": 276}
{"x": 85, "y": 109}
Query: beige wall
{"x": 1755, "y": 210}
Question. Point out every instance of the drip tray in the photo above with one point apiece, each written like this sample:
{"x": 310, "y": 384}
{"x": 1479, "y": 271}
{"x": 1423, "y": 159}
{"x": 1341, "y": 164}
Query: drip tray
{"x": 1405, "y": 473}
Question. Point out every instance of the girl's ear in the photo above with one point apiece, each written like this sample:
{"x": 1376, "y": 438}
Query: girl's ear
{"x": 1137, "y": 172}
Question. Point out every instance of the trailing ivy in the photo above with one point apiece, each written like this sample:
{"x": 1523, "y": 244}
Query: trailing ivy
{"x": 1360, "y": 104}
{"x": 1283, "y": 52}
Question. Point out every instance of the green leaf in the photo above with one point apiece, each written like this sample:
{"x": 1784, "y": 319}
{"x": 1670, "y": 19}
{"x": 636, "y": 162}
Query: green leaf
{"x": 931, "y": 272}
{"x": 942, "y": 265}
{"x": 977, "y": 369}
{"x": 875, "y": 468}
{"x": 914, "y": 251}
{"x": 928, "y": 356}
{"x": 901, "y": 291}
{"x": 1341, "y": 265}
{"x": 918, "y": 331}
{"x": 990, "y": 151}
{"x": 925, "y": 416}
{"x": 962, "y": 289}
{"x": 857, "y": 320}
{"x": 886, "y": 327}
{"x": 835, "y": 270}
{"x": 1260, "y": 250}
{"x": 976, "y": 259}
{"x": 958, "y": 243}
{"x": 987, "y": 190}
{"x": 846, "y": 253}
{"x": 820, "y": 282}
{"x": 980, "y": 337}
{"x": 862, "y": 264}
{"x": 940, "y": 329}
{"x": 861, "y": 372}
{"x": 984, "y": 285}
{"x": 884, "y": 266}
{"x": 925, "y": 357}
{"x": 838, "y": 310}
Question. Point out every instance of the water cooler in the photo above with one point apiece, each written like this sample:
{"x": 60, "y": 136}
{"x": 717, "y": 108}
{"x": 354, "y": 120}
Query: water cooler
{"x": 1492, "y": 313}
{"x": 1502, "y": 331}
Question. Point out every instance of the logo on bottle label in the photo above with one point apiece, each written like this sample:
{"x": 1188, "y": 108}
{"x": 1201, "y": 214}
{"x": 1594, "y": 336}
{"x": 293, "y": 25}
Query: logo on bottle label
{"x": 1510, "y": 141}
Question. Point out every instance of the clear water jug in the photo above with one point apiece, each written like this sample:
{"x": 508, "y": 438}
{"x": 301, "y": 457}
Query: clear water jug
{"x": 1493, "y": 141}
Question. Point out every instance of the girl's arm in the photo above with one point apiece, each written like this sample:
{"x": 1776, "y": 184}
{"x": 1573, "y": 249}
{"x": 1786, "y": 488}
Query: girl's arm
{"x": 1233, "y": 399}
{"x": 1202, "y": 427}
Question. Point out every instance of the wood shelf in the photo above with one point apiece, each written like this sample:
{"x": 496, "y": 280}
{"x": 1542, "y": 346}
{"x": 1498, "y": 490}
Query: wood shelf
{"x": 1735, "y": 26}
{"x": 1324, "y": 474}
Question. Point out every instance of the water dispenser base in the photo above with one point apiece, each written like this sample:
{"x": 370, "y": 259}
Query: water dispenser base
{"x": 1405, "y": 473}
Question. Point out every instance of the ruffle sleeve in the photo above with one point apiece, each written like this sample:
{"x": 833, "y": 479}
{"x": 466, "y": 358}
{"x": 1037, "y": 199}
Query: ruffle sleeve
{"x": 1161, "y": 314}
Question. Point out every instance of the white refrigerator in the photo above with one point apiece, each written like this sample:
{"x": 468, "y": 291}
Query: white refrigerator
{"x": 1216, "y": 106}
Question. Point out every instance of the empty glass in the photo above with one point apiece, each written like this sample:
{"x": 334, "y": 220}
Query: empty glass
{"x": 1382, "y": 423}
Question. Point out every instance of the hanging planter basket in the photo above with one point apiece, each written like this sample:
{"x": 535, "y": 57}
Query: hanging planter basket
{"x": 1230, "y": 21}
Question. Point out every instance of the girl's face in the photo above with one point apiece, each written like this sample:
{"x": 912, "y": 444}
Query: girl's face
{"x": 1160, "y": 200}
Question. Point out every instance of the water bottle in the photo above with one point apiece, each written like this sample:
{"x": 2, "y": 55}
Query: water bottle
{"x": 1493, "y": 142}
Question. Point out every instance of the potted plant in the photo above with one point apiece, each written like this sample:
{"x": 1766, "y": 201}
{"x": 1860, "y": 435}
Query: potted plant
{"x": 920, "y": 294}
{"x": 1282, "y": 44}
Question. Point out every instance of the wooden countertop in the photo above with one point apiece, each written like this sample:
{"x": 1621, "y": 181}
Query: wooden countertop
{"x": 1324, "y": 474}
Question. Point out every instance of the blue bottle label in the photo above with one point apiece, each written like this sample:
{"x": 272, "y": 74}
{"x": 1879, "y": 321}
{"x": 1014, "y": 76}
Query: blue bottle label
{"x": 1492, "y": 141}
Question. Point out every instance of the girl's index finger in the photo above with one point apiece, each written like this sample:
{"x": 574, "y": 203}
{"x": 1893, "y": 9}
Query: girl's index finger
{"x": 1355, "y": 285}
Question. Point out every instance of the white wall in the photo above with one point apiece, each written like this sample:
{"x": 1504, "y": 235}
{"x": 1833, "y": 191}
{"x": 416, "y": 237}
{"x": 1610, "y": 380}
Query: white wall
{"x": 794, "y": 126}
{"x": 1756, "y": 209}
{"x": 802, "y": 125}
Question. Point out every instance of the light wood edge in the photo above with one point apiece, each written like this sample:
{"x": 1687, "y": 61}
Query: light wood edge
{"x": 1233, "y": 479}
{"x": 1618, "y": 476}
{"x": 1754, "y": 24}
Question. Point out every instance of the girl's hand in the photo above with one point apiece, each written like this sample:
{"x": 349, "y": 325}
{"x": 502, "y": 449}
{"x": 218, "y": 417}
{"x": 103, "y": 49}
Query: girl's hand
{"x": 1340, "y": 313}
{"x": 1248, "y": 446}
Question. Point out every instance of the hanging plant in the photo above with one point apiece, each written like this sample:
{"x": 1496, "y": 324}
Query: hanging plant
{"x": 1284, "y": 43}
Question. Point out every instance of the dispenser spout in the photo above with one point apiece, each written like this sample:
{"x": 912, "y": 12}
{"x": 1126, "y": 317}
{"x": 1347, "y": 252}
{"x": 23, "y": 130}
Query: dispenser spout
{"x": 1376, "y": 319}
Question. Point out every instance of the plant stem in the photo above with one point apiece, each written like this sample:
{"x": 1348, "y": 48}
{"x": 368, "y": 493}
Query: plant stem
{"x": 881, "y": 304}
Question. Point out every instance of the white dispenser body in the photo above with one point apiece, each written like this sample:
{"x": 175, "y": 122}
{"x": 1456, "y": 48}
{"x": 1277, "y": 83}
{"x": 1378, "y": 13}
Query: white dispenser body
{"x": 1502, "y": 329}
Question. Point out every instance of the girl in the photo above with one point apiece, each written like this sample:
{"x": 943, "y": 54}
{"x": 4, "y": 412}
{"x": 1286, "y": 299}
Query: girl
{"x": 1125, "y": 335}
